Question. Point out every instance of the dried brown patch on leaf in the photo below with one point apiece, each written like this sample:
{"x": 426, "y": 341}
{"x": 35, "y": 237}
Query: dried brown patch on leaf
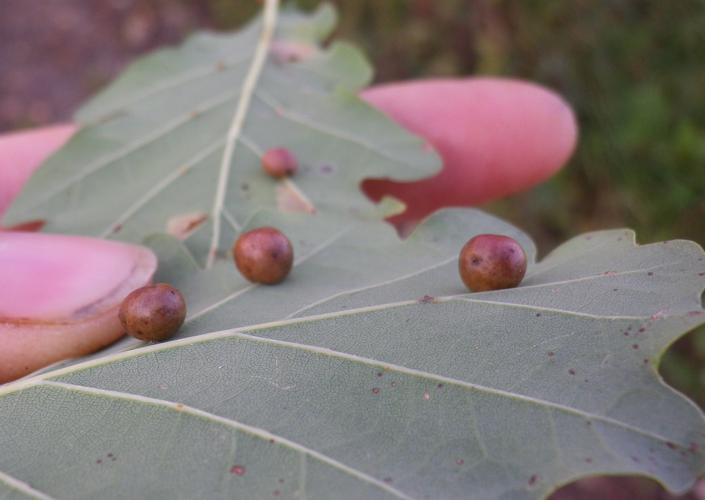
{"x": 29, "y": 226}
{"x": 291, "y": 199}
{"x": 184, "y": 225}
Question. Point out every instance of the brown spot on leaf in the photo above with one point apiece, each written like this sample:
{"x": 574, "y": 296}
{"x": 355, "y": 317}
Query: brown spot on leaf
{"x": 184, "y": 225}
{"x": 291, "y": 200}
{"x": 238, "y": 470}
{"x": 29, "y": 226}
{"x": 287, "y": 51}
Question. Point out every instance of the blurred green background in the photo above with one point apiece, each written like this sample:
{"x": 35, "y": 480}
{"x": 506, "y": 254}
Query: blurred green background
{"x": 634, "y": 70}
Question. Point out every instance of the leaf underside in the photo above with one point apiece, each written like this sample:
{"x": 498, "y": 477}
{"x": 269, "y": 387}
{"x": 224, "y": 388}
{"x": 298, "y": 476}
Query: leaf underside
{"x": 150, "y": 152}
{"x": 370, "y": 372}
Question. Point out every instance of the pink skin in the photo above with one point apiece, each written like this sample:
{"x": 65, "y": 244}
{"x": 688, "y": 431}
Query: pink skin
{"x": 496, "y": 137}
{"x": 59, "y": 296}
{"x": 21, "y": 153}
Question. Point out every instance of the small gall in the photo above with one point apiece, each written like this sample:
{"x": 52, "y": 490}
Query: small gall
{"x": 279, "y": 162}
{"x": 153, "y": 312}
{"x": 263, "y": 255}
{"x": 491, "y": 262}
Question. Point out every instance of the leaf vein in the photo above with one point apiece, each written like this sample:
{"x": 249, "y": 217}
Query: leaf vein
{"x": 108, "y": 159}
{"x": 196, "y": 74}
{"x": 22, "y": 487}
{"x": 258, "y": 432}
{"x": 324, "y": 130}
{"x": 387, "y": 366}
{"x": 162, "y": 185}
{"x": 368, "y": 287}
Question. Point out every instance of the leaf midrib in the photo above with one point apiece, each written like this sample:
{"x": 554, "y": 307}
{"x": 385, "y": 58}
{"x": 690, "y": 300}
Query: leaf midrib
{"x": 269, "y": 23}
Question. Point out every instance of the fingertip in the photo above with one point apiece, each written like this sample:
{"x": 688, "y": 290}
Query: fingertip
{"x": 496, "y": 137}
{"x": 550, "y": 137}
{"x": 60, "y": 296}
{"x": 22, "y": 152}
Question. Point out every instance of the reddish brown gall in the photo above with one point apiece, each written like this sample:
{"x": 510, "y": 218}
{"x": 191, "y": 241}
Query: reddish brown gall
{"x": 263, "y": 255}
{"x": 279, "y": 162}
{"x": 491, "y": 262}
{"x": 153, "y": 312}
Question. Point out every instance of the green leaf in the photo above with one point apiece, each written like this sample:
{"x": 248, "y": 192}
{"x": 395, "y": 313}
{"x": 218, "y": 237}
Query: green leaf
{"x": 361, "y": 259}
{"x": 380, "y": 392}
{"x": 370, "y": 372}
{"x": 162, "y": 147}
